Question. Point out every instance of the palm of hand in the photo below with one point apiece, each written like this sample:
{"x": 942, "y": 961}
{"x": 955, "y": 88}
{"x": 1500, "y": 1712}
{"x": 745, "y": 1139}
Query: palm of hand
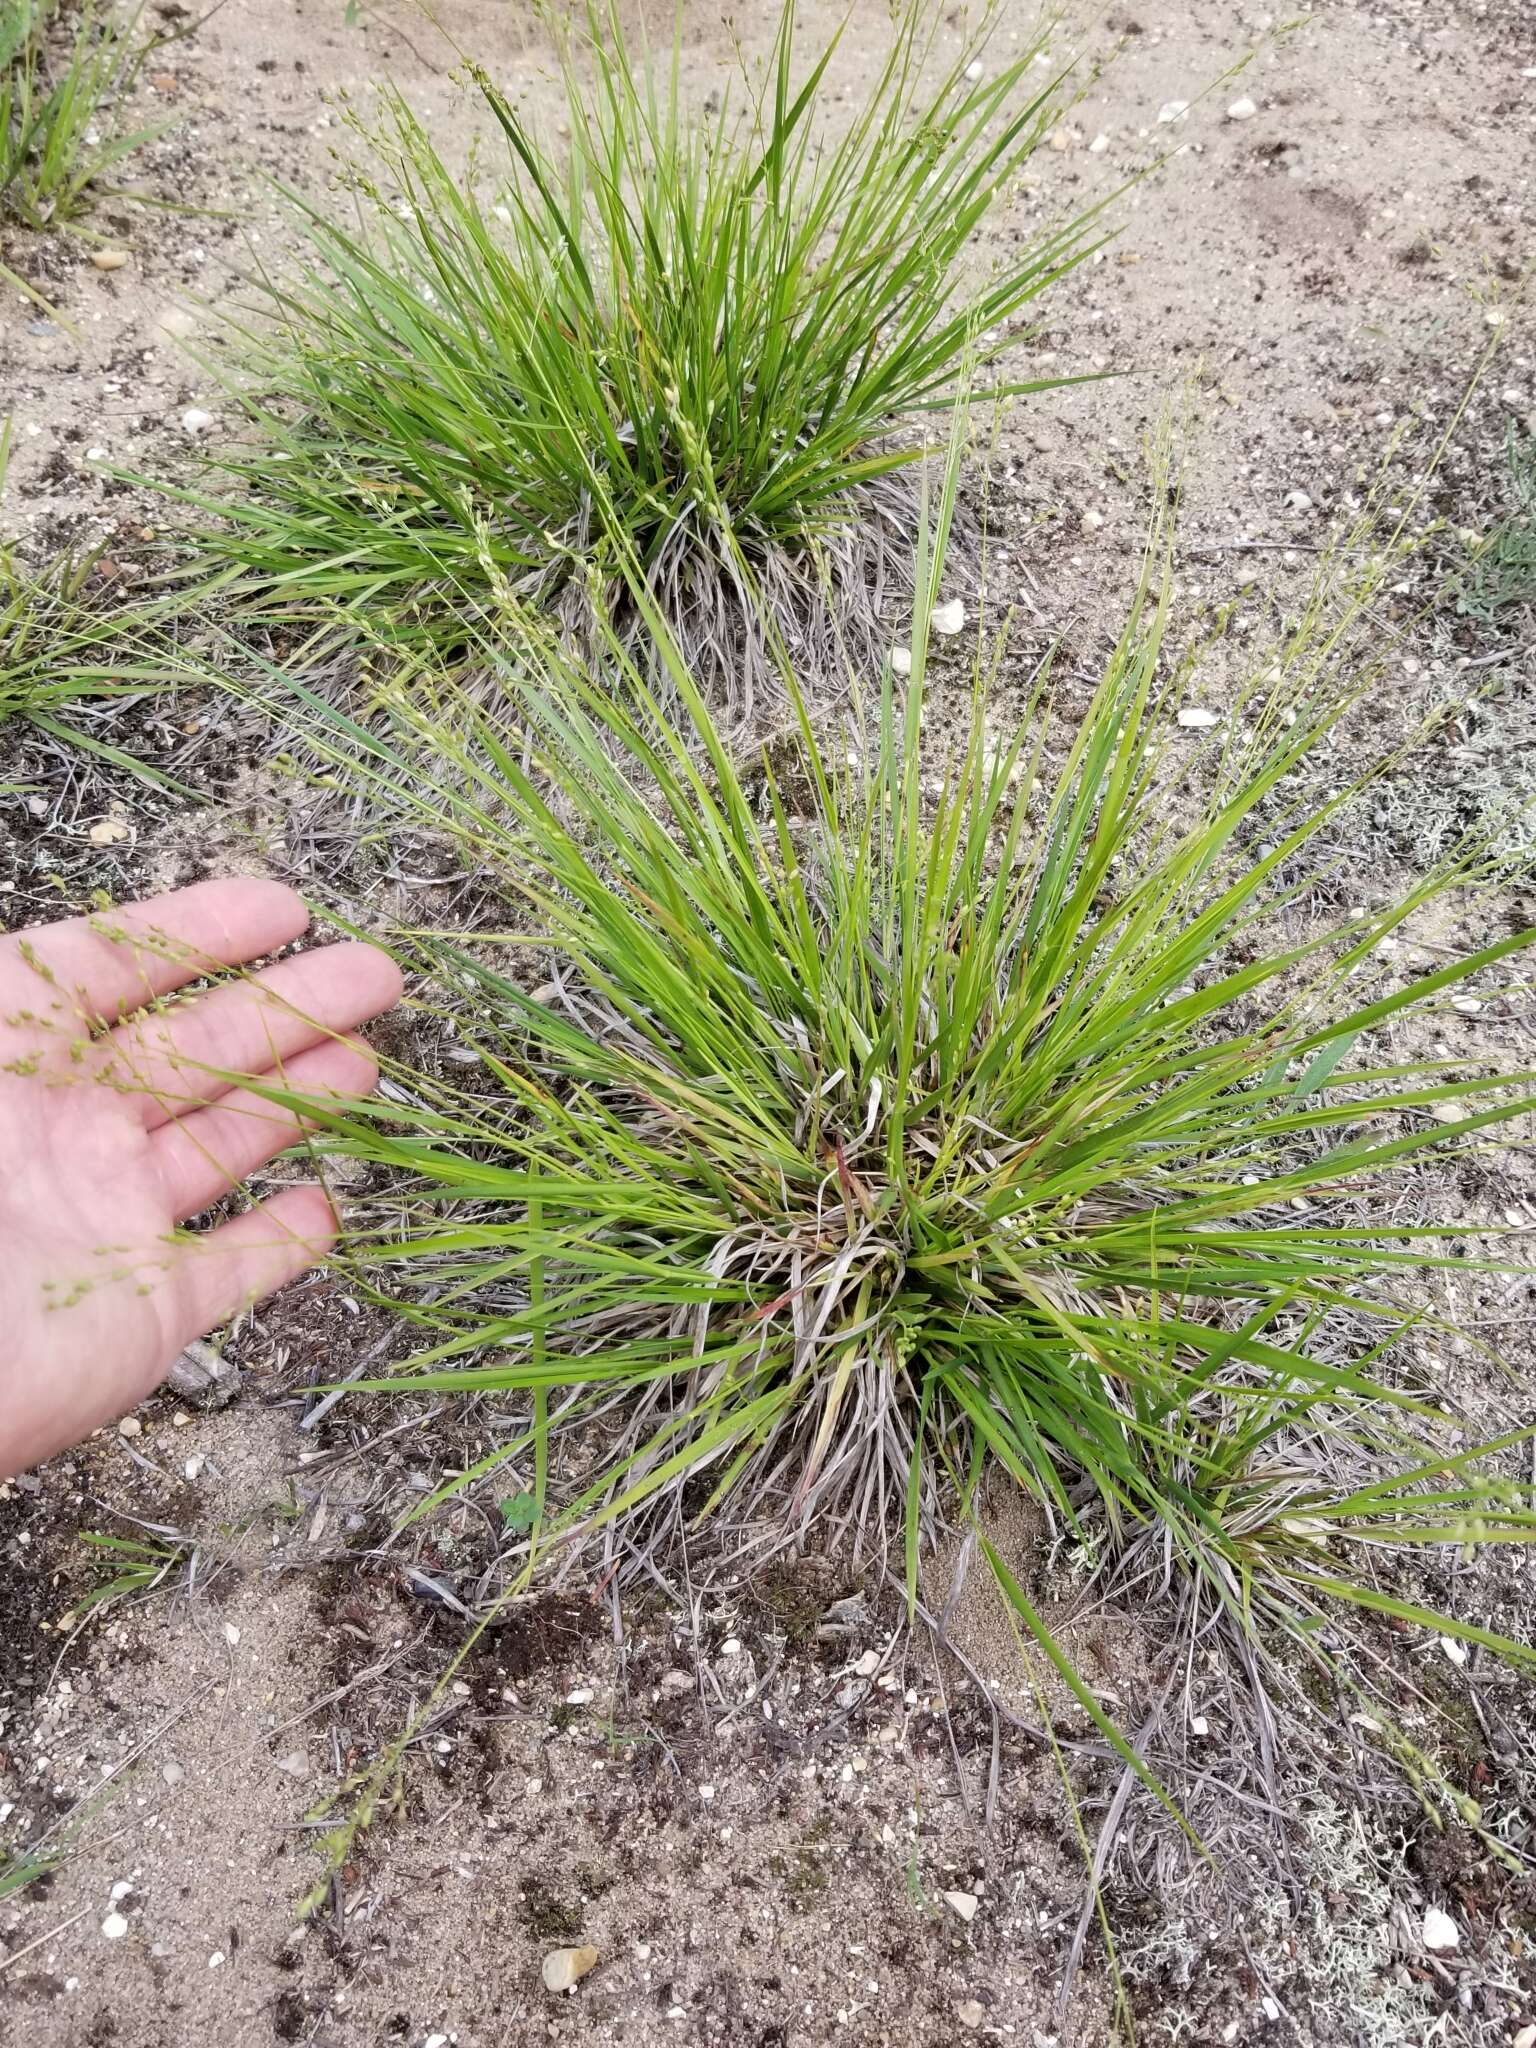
{"x": 113, "y": 1134}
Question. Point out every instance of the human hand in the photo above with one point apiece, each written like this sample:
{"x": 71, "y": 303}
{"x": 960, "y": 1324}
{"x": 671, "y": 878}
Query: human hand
{"x": 118, "y": 1122}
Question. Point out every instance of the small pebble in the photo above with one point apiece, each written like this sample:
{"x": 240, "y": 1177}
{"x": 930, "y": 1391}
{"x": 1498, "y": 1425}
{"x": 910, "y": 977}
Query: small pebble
{"x": 962, "y": 1905}
{"x": 971, "y": 2013}
{"x": 948, "y": 618}
{"x": 130, "y": 1426}
{"x": 901, "y": 661}
{"x": 1270, "y": 2008}
{"x": 1172, "y": 110}
{"x": 1242, "y": 110}
{"x": 1098, "y": 145}
{"x": 295, "y": 1764}
{"x": 1298, "y": 501}
{"x": 1526, "y": 2038}
{"x": 1092, "y": 521}
{"x": 114, "y": 1927}
{"x": 975, "y": 71}
{"x": 109, "y": 259}
{"x": 1457, "y": 1652}
{"x": 195, "y": 420}
{"x": 1440, "y": 1931}
{"x": 172, "y": 1773}
{"x": 231, "y": 1634}
{"x": 110, "y": 832}
{"x": 565, "y": 1967}
{"x": 1199, "y": 1725}
{"x": 1197, "y": 718}
{"x": 1468, "y": 1005}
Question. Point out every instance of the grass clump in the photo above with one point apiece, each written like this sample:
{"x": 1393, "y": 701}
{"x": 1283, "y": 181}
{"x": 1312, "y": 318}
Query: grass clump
{"x": 683, "y": 334}
{"x": 59, "y": 132}
{"x": 1501, "y": 579}
{"x": 860, "y": 1134}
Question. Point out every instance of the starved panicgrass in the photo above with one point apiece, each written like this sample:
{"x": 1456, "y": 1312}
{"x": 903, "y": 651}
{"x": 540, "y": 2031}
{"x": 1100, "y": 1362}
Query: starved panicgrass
{"x": 682, "y": 336}
{"x": 861, "y": 1134}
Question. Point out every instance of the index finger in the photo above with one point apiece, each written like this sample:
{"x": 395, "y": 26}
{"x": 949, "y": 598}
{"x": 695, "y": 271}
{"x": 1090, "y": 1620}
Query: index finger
{"x": 107, "y": 965}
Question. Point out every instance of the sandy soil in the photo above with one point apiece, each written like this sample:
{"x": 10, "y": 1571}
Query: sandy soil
{"x": 752, "y": 1798}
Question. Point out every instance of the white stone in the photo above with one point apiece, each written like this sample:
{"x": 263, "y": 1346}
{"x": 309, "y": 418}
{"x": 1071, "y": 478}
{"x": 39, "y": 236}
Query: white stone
{"x": 1199, "y": 1725}
{"x": 962, "y": 1904}
{"x": 196, "y": 420}
{"x": 564, "y": 1968}
{"x": 130, "y": 1426}
{"x": 948, "y": 618}
{"x": 172, "y": 1773}
{"x": 1440, "y": 1931}
{"x": 1468, "y": 1005}
{"x": 1242, "y": 110}
{"x": 1298, "y": 501}
{"x": 1197, "y": 719}
{"x": 1092, "y": 521}
{"x": 231, "y": 1634}
{"x": 1098, "y": 145}
{"x": 1457, "y": 1652}
{"x": 1172, "y": 110}
{"x": 114, "y": 1927}
{"x": 975, "y": 71}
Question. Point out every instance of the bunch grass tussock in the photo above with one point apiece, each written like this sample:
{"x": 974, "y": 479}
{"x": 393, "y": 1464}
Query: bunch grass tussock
{"x": 862, "y": 1152}
{"x": 694, "y": 336}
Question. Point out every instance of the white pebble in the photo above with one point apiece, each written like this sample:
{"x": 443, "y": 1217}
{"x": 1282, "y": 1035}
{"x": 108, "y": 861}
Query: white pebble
{"x": 1440, "y": 1931}
{"x": 114, "y": 1927}
{"x": 1468, "y": 1005}
{"x": 1199, "y": 1725}
{"x": 1172, "y": 110}
{"x": 901, "y": 661}
{"x": 1457, "y": 1652}
{"x": 1298, "y": 501}
{"x": 195, "y": 420}
{"x": 948, "y": 618}
{"x": 1197, "y": 718}
{"x": 1098, "y": 145}
{"x": 231, "y": 1634}
{"x": 130, "y": 1426}
{"x": 975, "y": 70}
{"x": 1242, "y": 110}
{"x": 962, "y": 1904}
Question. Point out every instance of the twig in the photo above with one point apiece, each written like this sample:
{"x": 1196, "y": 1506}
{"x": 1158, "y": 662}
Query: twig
{"x": 40, "y": 1940}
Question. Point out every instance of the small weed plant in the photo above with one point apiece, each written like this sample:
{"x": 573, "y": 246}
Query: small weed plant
{"x": 852, "y": 1133}
{"x": 681, "y": 334}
